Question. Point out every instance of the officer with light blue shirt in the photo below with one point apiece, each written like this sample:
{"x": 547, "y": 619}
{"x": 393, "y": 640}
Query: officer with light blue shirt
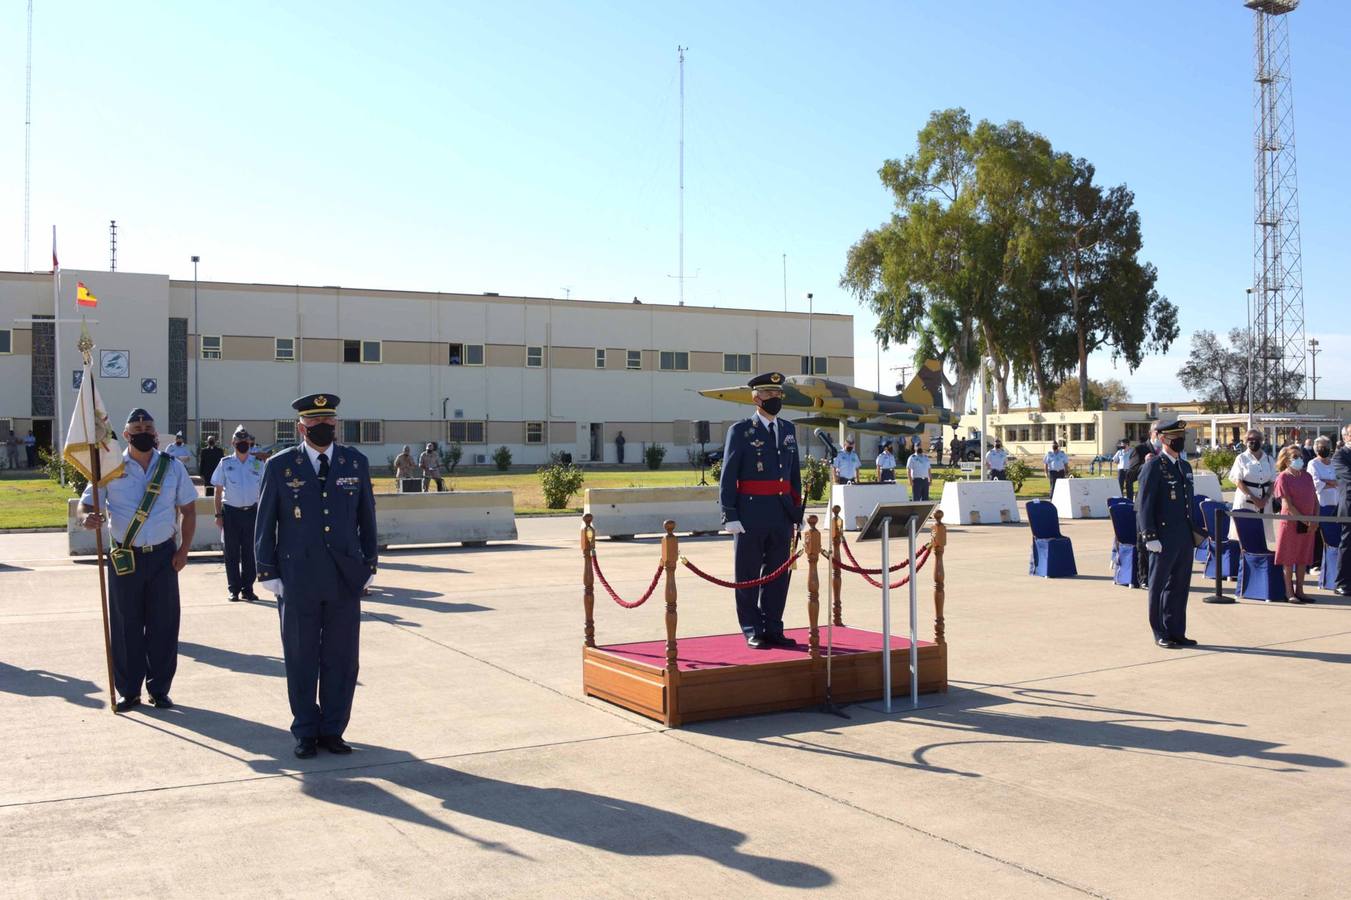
{"x": 847, "y": 464}
{"x": 1057, "y": 465}
{"x": 143, "y": 586}
{"x": 238, "y": 479}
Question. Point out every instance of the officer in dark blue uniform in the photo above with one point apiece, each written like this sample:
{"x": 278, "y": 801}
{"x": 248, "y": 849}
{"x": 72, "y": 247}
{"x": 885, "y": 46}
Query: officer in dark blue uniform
{"x": 315, "y": 545}
{"x": 761, "y": 497}
{"x": 1163, "y": 517}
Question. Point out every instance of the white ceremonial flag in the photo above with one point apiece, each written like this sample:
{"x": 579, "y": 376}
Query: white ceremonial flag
{"x": 89, "y": 431}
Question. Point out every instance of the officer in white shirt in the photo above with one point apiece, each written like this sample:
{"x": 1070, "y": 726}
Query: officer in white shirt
{"x": 1057, "y": 464}
{"x": 917, "y": 468}
{"x": 180, "y": 451}
{"x": 1254, "y": 478}
{"x": 847, "y": 464}
{"x": 886, "y": 465}
{"x": 238, "y": 479}
{"x": 1122, "y": 458}
{"x": 997, "y": 460}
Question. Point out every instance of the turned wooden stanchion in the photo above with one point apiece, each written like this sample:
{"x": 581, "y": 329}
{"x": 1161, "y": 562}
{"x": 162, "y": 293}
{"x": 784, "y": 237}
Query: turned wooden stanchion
{"x": 588, "y": 581}
{"x": 836, "y": 537}
{"x": 940, "y": 541}
{"x": 813, "y": 587}
{"x": 670, "y": 555}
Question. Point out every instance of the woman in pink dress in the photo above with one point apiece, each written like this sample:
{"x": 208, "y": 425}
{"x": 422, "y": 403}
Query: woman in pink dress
{"x": 1294, "y": 539}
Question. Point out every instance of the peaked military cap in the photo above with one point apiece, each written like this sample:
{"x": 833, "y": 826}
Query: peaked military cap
{"x": 316, "y": 405}
{"x": 1175, "y": 426}
{"x": 241, "y": 431}
{"x": 139, "y": 415}
{"x": 768, "y": 379}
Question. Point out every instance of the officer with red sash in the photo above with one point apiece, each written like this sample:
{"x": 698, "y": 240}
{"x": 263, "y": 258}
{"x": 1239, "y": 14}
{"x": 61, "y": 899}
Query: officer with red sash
{"x": 761, "y": 497}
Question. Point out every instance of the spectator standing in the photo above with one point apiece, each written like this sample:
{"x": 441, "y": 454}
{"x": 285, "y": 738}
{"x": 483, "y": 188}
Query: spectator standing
{"x": 1325, "y": 482}
{"x": 619, "y": 447}
{"x": 1294, "y": 539}
{"x": 12, "y": 450}
{"x": 1254, "y": 476}
{"x": 30, "y": 446}
{"x": 207, "y": 462}
{"x": 1122, "y": 458}
{"x": 404, "y": 467}
{"x": 430, "y": 463}
{"x": 954, "y": 450}
{"x": 997, "y": 460}
{"x": 1341, "y": 463}
{"x": 1056, "y": 463}
{"x": 917, "y": 470}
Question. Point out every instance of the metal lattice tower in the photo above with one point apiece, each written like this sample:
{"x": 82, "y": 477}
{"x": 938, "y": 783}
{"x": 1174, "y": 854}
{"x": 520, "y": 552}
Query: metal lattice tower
{"x": 1278, "y": 293}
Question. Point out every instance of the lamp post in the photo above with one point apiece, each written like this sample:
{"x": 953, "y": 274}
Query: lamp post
{"x": 811, "y": 358}
{"x": 196, "y": 362}
{"x": 1251, "y": 349}
{"x": 1313, "y": 377}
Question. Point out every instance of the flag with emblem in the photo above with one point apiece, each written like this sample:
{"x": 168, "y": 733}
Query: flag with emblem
{"x": 83, "y": 296}
{"x": 90, "y": 435}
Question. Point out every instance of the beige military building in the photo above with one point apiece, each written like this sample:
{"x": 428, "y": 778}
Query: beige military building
{"x": 536, "y": 375}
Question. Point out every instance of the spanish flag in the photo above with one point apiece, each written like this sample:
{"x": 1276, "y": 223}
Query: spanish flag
{"x": 83, "y": 297}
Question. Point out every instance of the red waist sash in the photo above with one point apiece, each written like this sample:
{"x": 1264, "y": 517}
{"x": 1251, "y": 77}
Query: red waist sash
{"x": 768, "y": 489}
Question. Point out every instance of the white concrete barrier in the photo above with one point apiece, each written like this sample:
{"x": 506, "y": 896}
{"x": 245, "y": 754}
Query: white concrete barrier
{"x": 1084, "y": 498}
{"x": 625, "y": 512}
{"x": 1206, "y": 484}
{"x": 857, "y": 501}
{"x": 453, "y": 517}
{"x": 979, "y": 503}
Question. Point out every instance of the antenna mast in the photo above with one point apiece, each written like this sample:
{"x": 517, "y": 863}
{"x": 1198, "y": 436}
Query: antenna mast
{"x": 28, "y": 138}
{"x": 112, "y": 251}
{"x": 681, "y": 277}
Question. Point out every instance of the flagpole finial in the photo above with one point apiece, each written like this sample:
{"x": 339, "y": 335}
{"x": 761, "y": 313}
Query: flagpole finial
{"x": 86, "y": 343}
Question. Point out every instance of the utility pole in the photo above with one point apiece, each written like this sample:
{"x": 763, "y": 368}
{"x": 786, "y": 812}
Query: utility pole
{"x": 785, "y": 282}
{"x": 1313, "y": 377}
{"x": 112, "y": 248}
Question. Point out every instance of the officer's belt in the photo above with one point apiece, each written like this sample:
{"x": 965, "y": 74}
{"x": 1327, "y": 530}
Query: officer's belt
{"x": 240, "y": 508}
{"x": 764, "y": 488}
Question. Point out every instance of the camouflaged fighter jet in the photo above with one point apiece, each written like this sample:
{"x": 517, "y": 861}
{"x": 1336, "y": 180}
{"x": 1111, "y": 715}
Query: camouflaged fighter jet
{"x": 832, "y": 403}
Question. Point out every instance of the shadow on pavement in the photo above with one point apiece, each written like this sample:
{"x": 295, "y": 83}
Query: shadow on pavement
{"x": 368, "y": 780}
{"x": 415, "y": 599}
{"x": 42, "y": 683}
{"x": 246, "y": 663}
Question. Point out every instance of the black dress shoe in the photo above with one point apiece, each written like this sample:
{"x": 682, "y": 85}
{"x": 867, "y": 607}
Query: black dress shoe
{"x": 1168, "y": 643}
{"x": 779, "y": 640}
{"x": 306, "y": 748}
{"x": 1184, "y": 641}
{"x": 127, "y": 704}
{"x": 334, "y": 744}
{"x": 757, "y": 643}
{"x": 235, "y": 598}
{"x": 251, "y": 597}
{"x": 1342, "y": 592}
{"x": 161, "y": 701}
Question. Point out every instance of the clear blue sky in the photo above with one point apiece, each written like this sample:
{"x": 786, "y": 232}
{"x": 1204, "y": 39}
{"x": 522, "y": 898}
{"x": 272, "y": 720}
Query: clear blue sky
{"x": 529, "y": 148}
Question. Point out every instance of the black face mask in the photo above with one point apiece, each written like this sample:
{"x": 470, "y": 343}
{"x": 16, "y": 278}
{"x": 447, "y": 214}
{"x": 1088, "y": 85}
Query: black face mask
{"x": 320, "y": 435}
{"x": 242, "y": 446}
{"x": 1177, "y": 445}
{"x": 772, "y": 405}
{"x": 1325, "y": 452}
{"x": 143, "y": 442}
{"x": 1254, "y": 445}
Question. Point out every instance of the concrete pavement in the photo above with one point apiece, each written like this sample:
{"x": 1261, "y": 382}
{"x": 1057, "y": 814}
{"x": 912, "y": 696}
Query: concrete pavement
{"x": 1071, "y": 757}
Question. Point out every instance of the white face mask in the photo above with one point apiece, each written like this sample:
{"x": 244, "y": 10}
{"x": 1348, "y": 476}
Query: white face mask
{"x": 1297, "y": 464}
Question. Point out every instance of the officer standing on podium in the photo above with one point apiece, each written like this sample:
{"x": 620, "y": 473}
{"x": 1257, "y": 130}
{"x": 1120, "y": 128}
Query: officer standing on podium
{"x": 761, "y": 496}
{"x": 1163, "y": 518}
{"x": 316, "y": 550}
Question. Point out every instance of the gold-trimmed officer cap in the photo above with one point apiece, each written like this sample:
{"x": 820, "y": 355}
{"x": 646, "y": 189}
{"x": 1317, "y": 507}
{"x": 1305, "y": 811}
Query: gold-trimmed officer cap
{"x": 1174, "y": 426}
{"x": 767, "y": 380}
{"x": 322, "y": 404}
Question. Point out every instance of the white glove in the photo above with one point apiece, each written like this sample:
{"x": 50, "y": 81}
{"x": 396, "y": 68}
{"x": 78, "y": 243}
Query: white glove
{"x": 368, "y": 581}
{"x": 1154, "y": 546}
{"x": 272, "y": 585}
{"x": 734, "y": 527}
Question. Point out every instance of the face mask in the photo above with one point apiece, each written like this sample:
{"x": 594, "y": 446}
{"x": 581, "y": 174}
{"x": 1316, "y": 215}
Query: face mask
{"x": 772, "y": 405}
{"x": 1297, "y": 464}
{"x": 1324, "y": 452}
{"x": 1177, "y": 444}
{"x": 1254, "y": 445}
{"x": 143, "y": 442}
{"x": 242, "y": 446}
{"x": 320, "y": 435}
{"x": 179, "y": 443}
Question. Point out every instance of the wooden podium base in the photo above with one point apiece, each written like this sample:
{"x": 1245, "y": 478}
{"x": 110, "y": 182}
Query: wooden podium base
{"x": 719, "y": 677}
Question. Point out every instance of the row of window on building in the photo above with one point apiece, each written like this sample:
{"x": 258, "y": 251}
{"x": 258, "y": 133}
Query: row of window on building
{"x": 372, "y": 431}
{"x": 1073, "y": 431}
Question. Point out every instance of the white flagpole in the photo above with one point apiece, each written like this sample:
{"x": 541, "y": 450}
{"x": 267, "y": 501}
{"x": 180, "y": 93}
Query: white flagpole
{"x": 57, "y": 437}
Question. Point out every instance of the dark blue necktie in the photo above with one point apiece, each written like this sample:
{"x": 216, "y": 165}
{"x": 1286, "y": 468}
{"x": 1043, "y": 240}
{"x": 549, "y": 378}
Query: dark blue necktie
{"x": 323, "y": 470}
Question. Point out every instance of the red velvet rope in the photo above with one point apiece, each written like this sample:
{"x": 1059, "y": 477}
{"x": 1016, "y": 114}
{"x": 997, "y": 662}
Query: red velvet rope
{"x": 862, "y": 571}
{"x": 595, "y": 564}
{"x": 738, "y": 585}
{"x": 920, "y": 558}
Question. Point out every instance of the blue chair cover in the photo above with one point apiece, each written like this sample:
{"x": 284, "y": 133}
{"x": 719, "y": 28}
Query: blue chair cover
{"x": 1052, "y": 552}
{"x": 1259, "y": 578}
{"x": 1202, "y": 552}
{"x": 1228, "y": 555}
{"x": 1113, "y": 501}
{"x": 1332, "y": 536}
{"x": 1123, "y": 530}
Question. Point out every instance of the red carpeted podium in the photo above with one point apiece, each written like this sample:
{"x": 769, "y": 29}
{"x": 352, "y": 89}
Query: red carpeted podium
{"x": 717, "y": 676}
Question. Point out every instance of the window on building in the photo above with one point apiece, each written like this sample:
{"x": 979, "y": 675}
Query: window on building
{"x": 600, "y": 358}
{"x": 1076, "y": 431}
{"x": 371, "y": 351}
{"x": 534, "y": 357}
{"x": 284, "y": 349}
{"x": 455, "y": 357}
{"x": 351, "y": 351}
{"x": 210, "y": 346}
{"x": 1091, "y": 431}
{"x": 1027, "y": 434}
{"x": 6, "y": 341}
{"x": 209, "y": 428}
{"x": 635, "y": 359}
{"x": 534, "y": 432}
{"x": 463, "y": 432}
{"x": 284, "y": 431}
{"x": 674, "y": 361}
{"x": 362, "y": 431}
{"x": 473, "y": 354}
{"x": 736, "y": 362}
{"x": 6, "y": 426}
{"x": 820, "y": 368}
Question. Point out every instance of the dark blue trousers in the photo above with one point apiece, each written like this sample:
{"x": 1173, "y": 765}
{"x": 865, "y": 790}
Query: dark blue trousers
{"x": 758, "y": 552}
{"x": 1343, "y": 575}
{"x": 143, "y": 618}
{"x": 320, "y": 636}
{"x": 1170, "y": 579}
{"x": 921, "y": 488}
{"x": 237, "y": 533}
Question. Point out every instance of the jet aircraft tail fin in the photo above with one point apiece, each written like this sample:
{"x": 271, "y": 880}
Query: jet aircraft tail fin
{"x": 927, "y": 385}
